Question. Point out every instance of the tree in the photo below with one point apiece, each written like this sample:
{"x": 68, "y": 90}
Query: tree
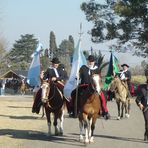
{"x": 122, "y": 19}
{"x": 66, "y": 46}
{"x": 135, "y": 22}
{"x": 20, "y": 55}
{"x": 71, "y": 39}
{"x": 3, "y": 62}
{"x": 65, "y": 51}
{"x": 52, "y": 44}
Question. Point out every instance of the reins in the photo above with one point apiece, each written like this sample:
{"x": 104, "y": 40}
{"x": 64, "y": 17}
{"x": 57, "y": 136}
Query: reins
{"x": 52, "y": 97}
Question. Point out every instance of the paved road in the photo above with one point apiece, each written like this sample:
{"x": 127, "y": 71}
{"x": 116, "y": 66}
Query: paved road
{"x": 125, "y": 133}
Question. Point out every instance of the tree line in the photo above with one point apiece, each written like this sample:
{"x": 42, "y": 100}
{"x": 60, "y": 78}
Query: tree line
{"x": 124, "y": 20}
{"x": 19, "y": 57}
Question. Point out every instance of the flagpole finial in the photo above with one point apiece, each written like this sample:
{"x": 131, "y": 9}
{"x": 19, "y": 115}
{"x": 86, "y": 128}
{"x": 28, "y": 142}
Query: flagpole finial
{"x": 80, "y": 33}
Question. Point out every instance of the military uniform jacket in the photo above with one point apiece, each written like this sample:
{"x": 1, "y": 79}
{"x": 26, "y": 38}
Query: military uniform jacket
{"x": 128, "y": 74}
{"x": 85, "y": 73}
{"x": 62, "y": 75}
{"x": 142, "y": 95}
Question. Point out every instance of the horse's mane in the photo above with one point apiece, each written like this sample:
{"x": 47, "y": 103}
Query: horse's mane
{"x": 119, "y": 88}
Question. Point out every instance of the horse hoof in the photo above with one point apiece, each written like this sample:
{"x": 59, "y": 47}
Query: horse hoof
{"x": 127, "y": 115}
{"x": 118, "y": 118}
{"x": 91, "y": 140}
{"x": 81, "y": 138}
{"x": 86, "y": 141}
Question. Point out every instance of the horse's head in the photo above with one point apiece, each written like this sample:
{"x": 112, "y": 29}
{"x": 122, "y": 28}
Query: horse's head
{"x": 114, "y": 84}
{"x": 96, "y": 82}
{"x": 45, "y": 91}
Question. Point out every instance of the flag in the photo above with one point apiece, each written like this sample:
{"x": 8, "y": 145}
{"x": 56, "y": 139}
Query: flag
{"x": 78, "y": 60}
{"x": 112, "y": 69}
{"x": 33, "y": 78}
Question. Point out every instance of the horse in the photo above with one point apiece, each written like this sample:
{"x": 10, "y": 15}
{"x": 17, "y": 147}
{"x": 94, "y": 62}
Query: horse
{"x": 53, "y": 101}
{"x": 23, "y": 88}
{"x": 89, "y": 107}
{"x": 121, "y": 92}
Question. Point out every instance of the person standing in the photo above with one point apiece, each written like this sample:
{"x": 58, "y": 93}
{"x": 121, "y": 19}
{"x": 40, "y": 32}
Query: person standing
{"x": 142, "y": 102}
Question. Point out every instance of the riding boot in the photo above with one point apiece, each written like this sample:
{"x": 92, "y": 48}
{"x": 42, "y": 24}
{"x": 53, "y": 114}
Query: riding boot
{"x": 105, "y": 113}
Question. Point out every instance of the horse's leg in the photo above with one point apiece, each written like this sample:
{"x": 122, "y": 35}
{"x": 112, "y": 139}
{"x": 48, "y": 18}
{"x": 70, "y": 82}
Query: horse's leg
{"x": 55, "y": 123}
{"x": 81, "y": 126}
{"x": 118, "y": 106}
{"x": 89, "y": 130}
{"x": 86, "y": 127}
{"x": 48, "y": 120}
{"x": 123, "y": 105}
{"x": 127, "y": 108}
{"x": 42, "y": 111}
{"x": 61, "y": 121}
{"x": 93, "y": 127}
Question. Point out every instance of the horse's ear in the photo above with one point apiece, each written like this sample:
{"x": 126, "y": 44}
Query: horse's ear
{"x": 44, "y": 81}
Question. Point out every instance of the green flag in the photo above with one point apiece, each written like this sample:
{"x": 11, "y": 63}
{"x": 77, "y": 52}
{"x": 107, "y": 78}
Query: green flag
{"x": 112, "y": 69}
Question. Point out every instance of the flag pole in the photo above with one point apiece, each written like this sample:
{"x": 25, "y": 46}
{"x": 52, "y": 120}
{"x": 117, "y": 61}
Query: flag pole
{"x": 77, "y": 81}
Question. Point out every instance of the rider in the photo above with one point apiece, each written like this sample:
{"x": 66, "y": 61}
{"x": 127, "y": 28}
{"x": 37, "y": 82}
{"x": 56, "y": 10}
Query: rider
{"x": 85, "y": 72}
{"x": 56, "y": 73}
{"x": 125, "y": 75}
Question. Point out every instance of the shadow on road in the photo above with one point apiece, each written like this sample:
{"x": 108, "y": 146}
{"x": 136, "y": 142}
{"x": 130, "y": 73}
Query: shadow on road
{"x": 19, "y": 107}
{"x": 118, "y": 138}
{"x": 22, "y": 117}
{"x": 121, "y": 138}
{"x": 37, "y": 135}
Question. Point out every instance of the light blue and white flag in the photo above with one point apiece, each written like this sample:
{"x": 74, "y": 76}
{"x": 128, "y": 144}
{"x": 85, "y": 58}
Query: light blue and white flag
{"x": 33, "y": 78}
{"x": 78, "y": 60}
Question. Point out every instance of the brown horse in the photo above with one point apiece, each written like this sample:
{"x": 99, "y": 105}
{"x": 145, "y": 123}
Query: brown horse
{"x": 89, "y": 107}
{"x": 120, "y": 90}
{"x": 54, "y": 102}
{"x": 23, "y": 88}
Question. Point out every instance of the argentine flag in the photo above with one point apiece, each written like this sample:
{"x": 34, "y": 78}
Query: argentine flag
{"x": 33, "y": 78}
{"x": 78, "y": 60}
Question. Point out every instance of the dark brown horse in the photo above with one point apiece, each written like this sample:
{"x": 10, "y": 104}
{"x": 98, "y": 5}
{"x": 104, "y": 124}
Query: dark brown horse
{"x": 53, "y": 101}
{"x": 89, "y": 106}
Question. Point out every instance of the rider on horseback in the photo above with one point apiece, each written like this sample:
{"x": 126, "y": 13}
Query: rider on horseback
{"x": 125, "y": 76}
{"x": 85, "y": 76}
{"x": 56, "y": 73}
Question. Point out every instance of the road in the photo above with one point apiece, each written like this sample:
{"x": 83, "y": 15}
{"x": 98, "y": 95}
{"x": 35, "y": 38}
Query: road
{"x": 20, "y": 128}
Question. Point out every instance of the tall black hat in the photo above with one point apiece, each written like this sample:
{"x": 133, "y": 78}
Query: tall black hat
{"x": 91, "y": 58}
{"x": 55, "y": 61}
{"x": 125, "y": 65}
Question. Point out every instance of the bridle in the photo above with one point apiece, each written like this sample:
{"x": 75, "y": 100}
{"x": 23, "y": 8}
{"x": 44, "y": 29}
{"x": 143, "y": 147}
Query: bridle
{"x": 46, "y": 91}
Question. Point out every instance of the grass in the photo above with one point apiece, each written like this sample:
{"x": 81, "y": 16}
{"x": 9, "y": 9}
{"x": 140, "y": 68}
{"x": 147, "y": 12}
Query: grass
{"x": 138, "y": 79}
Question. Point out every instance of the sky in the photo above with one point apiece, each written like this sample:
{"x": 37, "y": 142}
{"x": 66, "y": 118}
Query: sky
{"x": 40, "y": 17}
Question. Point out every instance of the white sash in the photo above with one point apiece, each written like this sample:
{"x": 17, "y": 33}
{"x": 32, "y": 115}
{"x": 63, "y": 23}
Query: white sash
{"x": 92, "y": 67}
{"x": 56, "y": 72}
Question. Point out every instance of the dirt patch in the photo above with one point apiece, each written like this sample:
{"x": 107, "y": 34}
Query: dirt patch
{"x": 17, "y": 120}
